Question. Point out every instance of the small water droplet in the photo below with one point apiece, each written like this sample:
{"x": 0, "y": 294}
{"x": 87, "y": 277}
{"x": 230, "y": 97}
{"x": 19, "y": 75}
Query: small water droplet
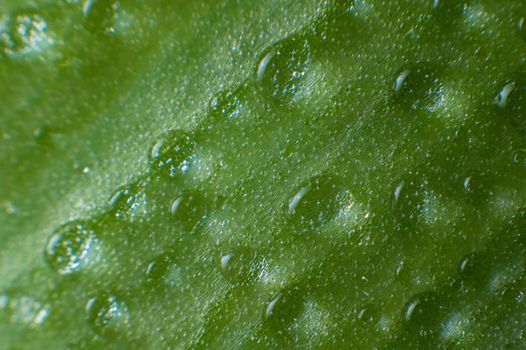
{"x": 475, "y": 268}
{"x": 238, "y": 265}
{"x": 224, "y": 105}
{"x": 172, "y": 152}
{"x": 397, "y": 192}
{"x": 69, "y": 246}
{"x": 424, "y": 312}
{"x": 511, "y": 101}
{"x": 316, "y": 202}
{"x": 418, "y": 87}
{"x": 158, "y": 268}
{"x": 502, "y": 99}
{"x": 106, "y": 313}
{"x": 101, "y": 15}
{"x": 282, "y": 67}
{"x": 467, "y": 184}
{"x": 189, "y": 209}
{"x": 521, "y": 27}
{"x": 128, "y": 200}
{"x": 284, "y": 308}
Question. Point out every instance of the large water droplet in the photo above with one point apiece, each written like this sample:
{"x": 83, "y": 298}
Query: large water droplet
{"x": 282, "y": 68}
{"x": 106, "y": 313}
{"x": 27, "y": 34}
{"x": 68, "y": 248}
{"x": 316, "y": 202}
{"x": 189, "y": 209}
{"x": 238, "y": 265}
{"x": 418, "y": 87}
{"x": 171, "y": 153}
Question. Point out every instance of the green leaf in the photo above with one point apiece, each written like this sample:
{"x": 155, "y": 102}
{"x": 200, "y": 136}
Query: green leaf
{"x": 271, "y": 174}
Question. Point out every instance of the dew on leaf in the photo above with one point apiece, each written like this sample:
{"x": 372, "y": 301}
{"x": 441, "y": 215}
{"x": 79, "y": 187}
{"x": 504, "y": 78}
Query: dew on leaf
{"x": 284, "y": 308}
{"x": 23, "y": 309}
{"x": 225, "y": 105}
{"x": 106, "y": 313}
{"x": 282, "y": 67}
{"x": 188, "y": 209}
{"x": 25, "y": 35}
{"x": 475, "y": 268}
{"x": 424, "y": 312}
{"x": 158, "y": 268}
{"x": 418, "y": 87}
{"x": 101, "y": 15}
{"x": 238, "y": 265}
{"x": 171, "y": 153}
{"x": 316, "y": 202}
{"x": 128, "y": 200}
{"x": 69, "y": 247}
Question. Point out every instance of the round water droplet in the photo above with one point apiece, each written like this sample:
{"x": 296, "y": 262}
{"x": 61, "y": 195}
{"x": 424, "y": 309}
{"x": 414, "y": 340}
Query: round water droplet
{"x": 23, "y": 309}
{"x": 418, "y": 87}
{"x": 106, "y": 313}
{"x": 316, "y": 202}
{"x": 101, "y": 15}
{"x": 521, "y": 27}
{"x": 423, "y": 313}
{"x": 127, "y": 200}
{"x": 158, "y": 268}
{"x": 68, "y": 248}
{"x": 238, "y": 265}
{"x": 172, "y": 152}
{"x": 282, "y": 68}
{"x": 511, "y": 103}
{"x": 25, "y": 35}
{"x": 284, "y": 308}
{"x": 224, "y": 105}
{"x": 189, "y": 209}
{"x": 475, "y": 268}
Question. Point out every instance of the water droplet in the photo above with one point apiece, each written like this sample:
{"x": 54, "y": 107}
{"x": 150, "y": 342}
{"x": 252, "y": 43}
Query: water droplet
{"x": 475, "y": 268}
{"x": 224, "y": 105}
{"x": 172, "y": 152}
{"x": 284, "y": 308}
{"x": 467, "y": 183}
{"x": 238, "y": 265}
{"x": 106, "y": 313}
{"x": 101, "y": 15}
{"x": 128, "y": 200}
{"x": 448, "y": 12}
{"x": 418, "y": 87}
{"x": 282, "y": 68}
{"x": 511, "y": 101}
{"x": 69, "y": 246}
{"x": 158, "y": 268}
{"x": 26, "y": 35}
{"x": 502, "y": 99}
{"x": 23, "y": 309}
{"x": 424, "y": 312}
{"x": 316, "y": 202}
{"x": 521, "y": 27}
{"x": 189, "y": 209}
